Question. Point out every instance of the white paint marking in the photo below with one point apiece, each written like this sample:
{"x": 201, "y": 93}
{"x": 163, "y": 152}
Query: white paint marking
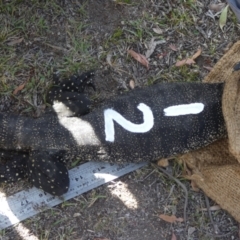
{"x": 183, "y": 109}
{"x": 110, "y": 115}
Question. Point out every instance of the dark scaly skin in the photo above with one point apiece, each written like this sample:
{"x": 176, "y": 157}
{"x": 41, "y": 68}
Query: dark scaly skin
{"x": 70, "y": 92}
{"x": 53, "y": 139}
{"x": 45, "y": 169}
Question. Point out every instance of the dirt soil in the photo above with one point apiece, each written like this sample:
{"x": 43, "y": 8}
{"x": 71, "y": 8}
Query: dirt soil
{"x": 37, "y": 37}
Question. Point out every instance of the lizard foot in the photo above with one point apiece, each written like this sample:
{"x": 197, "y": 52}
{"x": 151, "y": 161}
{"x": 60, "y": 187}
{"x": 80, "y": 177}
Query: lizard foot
{"x": 48, "y": 173}
{"x": 68, "y": 98}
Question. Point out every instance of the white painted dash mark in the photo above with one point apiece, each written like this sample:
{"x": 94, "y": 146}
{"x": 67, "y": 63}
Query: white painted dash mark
{"x": 110, "y": 115}
{"x": 183, "y": 109}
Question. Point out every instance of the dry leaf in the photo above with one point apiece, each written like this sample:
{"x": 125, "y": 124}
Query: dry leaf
{"x": 19, "y": 88}
{"x": 158, "y": 30}
{"x": 173, "y": 237}
{"x": 189, "y": 61}
{"x": 194, "y": 186}
{"x": 173, "y": 47}
{"x": 197, "y": 54}
{"x": 216, "y": 7}
{"x": 166, "y": 218}
{"x": 170, "y": 219}
{"x": 212, "y": 208}
{"x": 139, "y": 57}
{"x": 180, "y": 220}
{"x": 132, "y": 84}
{"x": 163, "y": 162}
{"x": 208, "y": 68}
{"x": 15, "y": 41}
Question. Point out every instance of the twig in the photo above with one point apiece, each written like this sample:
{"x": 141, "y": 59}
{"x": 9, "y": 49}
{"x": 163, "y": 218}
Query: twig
{"x": 183, "y": 187}
{"x": 141, "y": 180}
{"x": 55, "y": 47}
{"x": 170, "y": 192}
{"x": 215, "y": 227}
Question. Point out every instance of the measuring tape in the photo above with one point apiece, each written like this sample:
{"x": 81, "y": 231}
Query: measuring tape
{"x": 83, "y": 178}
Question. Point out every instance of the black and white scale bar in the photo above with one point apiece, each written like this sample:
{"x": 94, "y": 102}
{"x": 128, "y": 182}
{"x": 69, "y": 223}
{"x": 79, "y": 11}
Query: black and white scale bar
{"x": 25, "y": 204}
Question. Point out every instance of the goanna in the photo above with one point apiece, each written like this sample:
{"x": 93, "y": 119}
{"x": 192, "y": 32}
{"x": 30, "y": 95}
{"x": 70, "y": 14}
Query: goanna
{"x": 145, "y": 124}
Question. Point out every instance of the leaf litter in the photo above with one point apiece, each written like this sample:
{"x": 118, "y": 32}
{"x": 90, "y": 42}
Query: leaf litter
{"x": 158, "y": 30}
{"x": 139, "y": 57}
{"x": 189, "y": 61}
{"x": 19, "y": 88}
{"x": 152, "y": 45}
{"x": 170, "y": 219}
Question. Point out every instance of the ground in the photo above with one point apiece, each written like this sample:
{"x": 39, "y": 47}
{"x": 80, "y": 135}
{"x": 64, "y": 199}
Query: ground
{"x": 37, "y": 37}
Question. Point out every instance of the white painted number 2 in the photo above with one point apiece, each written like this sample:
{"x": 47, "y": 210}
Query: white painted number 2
{"x": 148, "y": 120}
{"x": 110, "y": 115}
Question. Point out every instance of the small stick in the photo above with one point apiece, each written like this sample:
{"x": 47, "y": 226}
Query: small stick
{"x": 183, "y": 187}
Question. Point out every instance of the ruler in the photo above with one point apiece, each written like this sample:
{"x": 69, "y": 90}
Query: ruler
{"x": 83, "y": 178}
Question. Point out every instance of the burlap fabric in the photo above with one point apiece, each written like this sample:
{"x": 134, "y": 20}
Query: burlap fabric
{"x": 216, "y": 168}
